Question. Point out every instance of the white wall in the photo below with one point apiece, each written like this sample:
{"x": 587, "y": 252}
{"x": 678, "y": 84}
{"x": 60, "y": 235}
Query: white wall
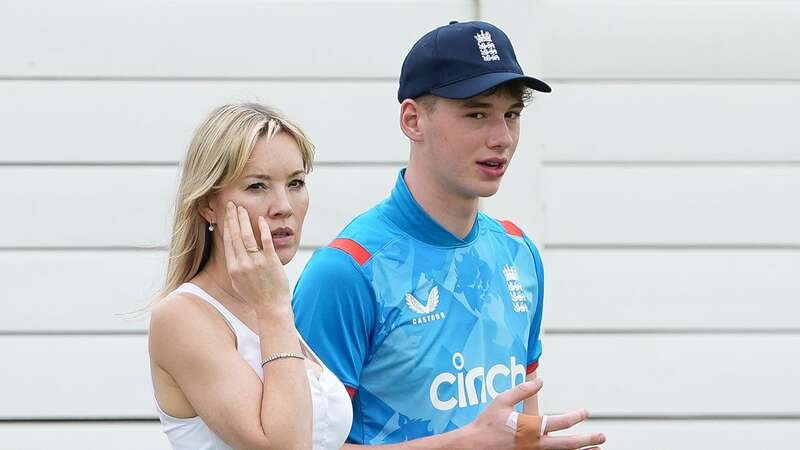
{"x": 661, "y": 177}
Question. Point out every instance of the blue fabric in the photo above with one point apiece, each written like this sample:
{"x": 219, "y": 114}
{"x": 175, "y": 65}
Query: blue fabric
{"x": 431, "y": 327}
{"x": 327, "y": 295}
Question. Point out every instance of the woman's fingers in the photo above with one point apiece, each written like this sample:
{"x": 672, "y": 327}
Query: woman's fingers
{"x": 564, "y": 421}
{"x": 266, "y": 236}
{"x": 227, "y": 244}
{"x": 236, "y": 235}
{"x": 246, "y": 230}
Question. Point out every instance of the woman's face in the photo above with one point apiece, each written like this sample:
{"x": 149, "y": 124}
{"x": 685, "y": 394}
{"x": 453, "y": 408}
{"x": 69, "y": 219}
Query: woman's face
{"x": 273, "y": 186}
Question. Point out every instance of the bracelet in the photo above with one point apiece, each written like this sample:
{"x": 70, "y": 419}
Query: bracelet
{"x": 280, "y": 356}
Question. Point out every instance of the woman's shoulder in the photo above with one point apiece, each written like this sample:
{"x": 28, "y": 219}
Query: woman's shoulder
{"x": 182, "y": 318}
{"x": 175, "y": 307}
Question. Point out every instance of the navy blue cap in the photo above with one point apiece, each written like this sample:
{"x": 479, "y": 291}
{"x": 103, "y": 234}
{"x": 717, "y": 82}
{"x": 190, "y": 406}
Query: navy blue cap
{"x": 461, "y": 60}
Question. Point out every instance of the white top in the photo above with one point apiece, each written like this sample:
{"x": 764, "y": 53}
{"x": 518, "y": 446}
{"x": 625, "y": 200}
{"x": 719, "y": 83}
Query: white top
{"x": 332, "y": 410}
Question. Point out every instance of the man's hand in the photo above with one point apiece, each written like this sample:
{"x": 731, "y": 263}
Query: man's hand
{"x": 493, "y": 429}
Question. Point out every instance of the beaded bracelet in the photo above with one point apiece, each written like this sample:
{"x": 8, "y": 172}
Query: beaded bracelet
{"x": 282, "y": 355}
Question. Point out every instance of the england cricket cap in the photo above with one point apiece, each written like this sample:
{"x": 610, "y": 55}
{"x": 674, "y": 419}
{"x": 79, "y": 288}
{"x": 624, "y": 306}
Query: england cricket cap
{"x": 461, "y": 60}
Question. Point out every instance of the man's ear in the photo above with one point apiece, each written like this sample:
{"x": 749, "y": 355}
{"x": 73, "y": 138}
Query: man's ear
{"x": 412, "y": 121}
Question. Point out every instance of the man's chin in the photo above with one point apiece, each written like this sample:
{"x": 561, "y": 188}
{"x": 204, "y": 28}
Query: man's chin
{"x": 487, "y": 189}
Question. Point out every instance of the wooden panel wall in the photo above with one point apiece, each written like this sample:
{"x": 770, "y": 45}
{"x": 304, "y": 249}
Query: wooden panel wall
{"x": 660, "y": 178}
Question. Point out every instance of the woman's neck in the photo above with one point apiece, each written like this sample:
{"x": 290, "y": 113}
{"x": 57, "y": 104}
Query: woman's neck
{"x": 215, "y": 276}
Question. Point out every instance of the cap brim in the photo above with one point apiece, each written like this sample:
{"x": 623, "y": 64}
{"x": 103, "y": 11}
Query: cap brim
{"x": 474, "y": 86}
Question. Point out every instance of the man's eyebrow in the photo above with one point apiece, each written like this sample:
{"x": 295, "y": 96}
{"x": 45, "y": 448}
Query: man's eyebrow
{"x": 478, "y": 104}
{"x": 475, "y": 104}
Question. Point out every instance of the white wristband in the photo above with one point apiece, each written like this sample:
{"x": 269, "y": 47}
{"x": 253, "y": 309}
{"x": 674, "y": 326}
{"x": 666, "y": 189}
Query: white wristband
{"x": 544, "y": 426}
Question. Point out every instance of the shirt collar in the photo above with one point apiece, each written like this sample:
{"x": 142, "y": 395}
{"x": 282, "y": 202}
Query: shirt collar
{"x": 402, "y": 209}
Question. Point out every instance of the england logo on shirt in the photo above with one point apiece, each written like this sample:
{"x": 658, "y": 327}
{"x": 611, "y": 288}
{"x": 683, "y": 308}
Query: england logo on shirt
{"x": 428, "y": 309}
{"x": 518, "y": 298}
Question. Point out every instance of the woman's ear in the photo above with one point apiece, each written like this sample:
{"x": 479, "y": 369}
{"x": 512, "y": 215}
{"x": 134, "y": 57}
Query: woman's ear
{"x": 206, "y": 209}
{"x": 411, "y": 120}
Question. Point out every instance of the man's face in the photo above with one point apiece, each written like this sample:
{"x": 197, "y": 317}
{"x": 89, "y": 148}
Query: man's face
{"x": 469, "y": 143}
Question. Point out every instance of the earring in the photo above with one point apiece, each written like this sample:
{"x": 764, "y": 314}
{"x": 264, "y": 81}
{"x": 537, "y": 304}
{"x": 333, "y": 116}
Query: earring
{"x": 210, "y": 227}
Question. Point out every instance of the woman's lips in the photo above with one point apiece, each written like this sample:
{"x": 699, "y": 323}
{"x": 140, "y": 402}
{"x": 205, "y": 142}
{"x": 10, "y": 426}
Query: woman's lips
{"x": 282, "y": 237}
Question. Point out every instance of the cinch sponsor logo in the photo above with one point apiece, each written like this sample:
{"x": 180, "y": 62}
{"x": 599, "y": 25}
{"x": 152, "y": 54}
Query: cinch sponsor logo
{"x": 467, "y": 391}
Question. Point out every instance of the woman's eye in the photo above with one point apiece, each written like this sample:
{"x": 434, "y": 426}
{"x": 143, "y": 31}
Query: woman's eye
{"x": 478, "y": 115}
{"x": 256, "y": 186}
{"x": 297, "y": 183}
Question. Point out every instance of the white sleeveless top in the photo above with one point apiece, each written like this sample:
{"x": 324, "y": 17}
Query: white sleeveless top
{"x": 332, "y": 409}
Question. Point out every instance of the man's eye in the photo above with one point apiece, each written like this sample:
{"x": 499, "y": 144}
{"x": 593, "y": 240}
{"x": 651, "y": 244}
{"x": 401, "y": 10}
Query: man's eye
{"x": 513, "y": 114}
{"x": 478, "y": 115}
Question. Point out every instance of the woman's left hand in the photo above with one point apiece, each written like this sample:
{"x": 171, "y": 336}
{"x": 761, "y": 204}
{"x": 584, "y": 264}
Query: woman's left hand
{"x": 257, "y": 274}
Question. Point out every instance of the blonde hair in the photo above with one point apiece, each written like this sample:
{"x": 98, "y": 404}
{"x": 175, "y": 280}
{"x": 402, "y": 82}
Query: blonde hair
{"x": 217, "y": 155}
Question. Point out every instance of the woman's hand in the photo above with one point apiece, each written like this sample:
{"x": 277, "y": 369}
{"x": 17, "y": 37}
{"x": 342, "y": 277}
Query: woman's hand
{"x": 493, "y": 430}
{"x": 256, "y": 274}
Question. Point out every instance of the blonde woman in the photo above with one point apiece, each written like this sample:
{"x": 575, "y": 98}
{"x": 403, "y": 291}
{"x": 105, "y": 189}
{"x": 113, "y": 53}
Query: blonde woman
{"x": 229, "y": 369}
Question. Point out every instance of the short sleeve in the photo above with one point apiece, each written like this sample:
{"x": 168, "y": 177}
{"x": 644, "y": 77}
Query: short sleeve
{"x": 534, "y": 339}
{"x": 334, "y": 310}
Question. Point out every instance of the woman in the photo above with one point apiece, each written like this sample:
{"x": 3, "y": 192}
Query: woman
{"x": 229, "y": 369}
{"x": 226, "y": 322}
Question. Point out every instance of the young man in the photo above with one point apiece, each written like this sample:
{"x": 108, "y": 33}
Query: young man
{"x": 424, "y": 307}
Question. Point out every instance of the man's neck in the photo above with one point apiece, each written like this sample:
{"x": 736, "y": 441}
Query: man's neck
{"x": 455, "y": 213}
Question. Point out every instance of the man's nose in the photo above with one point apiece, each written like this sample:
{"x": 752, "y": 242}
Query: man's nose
{"x": 500, "y": 137}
